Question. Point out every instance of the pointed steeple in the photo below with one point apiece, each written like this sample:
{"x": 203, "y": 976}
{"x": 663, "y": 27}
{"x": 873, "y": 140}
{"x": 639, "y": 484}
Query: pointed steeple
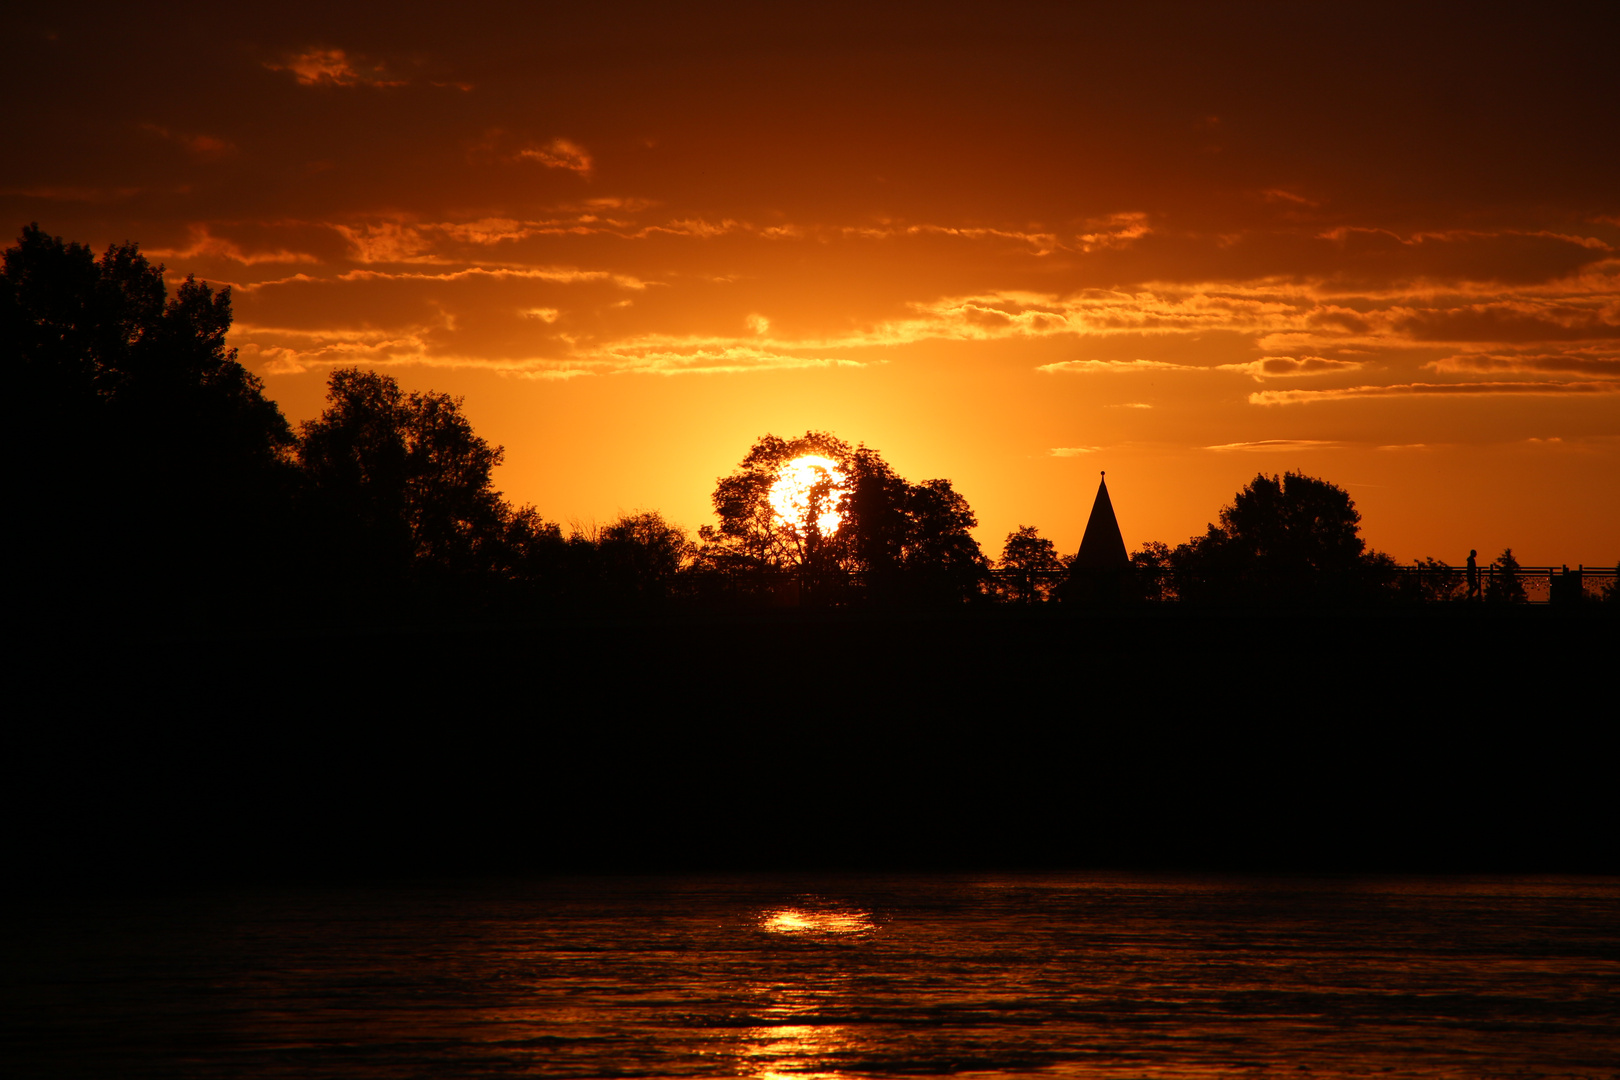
{"x": 1102, "y": 548}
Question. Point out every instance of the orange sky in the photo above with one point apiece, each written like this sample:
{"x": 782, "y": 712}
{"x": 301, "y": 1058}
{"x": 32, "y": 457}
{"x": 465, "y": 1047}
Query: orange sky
{"x": 1010, "y": 246}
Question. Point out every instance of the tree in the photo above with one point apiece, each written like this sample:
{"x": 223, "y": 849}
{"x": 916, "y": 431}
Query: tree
{"x": 909, "y": 541}
{"x": 1503, "y": 584}
{"x": 401, "y": 484}
{"x": 155, "y": 472}
{"x": 1284, "y": 539}
{"x": 943, "y": 562}
{"x": 642, "y": 556}
{"x": 752, "y": 533}
{"x": 1150, "y": 571}
{"x": 1031, "y": 560}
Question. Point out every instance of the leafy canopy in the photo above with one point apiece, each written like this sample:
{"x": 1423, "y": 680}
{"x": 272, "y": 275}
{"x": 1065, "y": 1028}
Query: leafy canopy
{"x": 910, "y": 540}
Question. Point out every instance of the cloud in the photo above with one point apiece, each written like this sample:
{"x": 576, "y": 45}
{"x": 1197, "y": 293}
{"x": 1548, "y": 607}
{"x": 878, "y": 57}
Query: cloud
{"x": 1298, "y": 329}
{"x": 697, "y": 227}
{"x": 1073, "y": 451}
{"x": 203, "y": 147}
{"x": 1120, "y": 366}
{"x": 1272, "y": 367}
{"x": 1114, "y": 231}
{"x": 629, "y": 204}
{"x": 1129, "y": 405}
{"x": 562, "y": 274}
{"x": 284, "y": 350}
{"x": 333, "y": 67}
{"x": 205, "y": 245}
{"x": 1576, "y": 363}
{"x": 387, "y": 242}
{"x": 687, "y": 357}
{"x": 1300, "y": 397}
{"x": 1515, "y": 320}
{"x": 1281, "y": 445}
{"x": 560, "y": 154}
{"x": 1281, "y": 196}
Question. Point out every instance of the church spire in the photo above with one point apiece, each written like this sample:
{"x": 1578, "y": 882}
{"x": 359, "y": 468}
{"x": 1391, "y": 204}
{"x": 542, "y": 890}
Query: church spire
{"x": 1102, "y": 548}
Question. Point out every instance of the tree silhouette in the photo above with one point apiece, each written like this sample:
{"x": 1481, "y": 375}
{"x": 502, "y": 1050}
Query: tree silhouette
{"x": 910, "y": 541}
{"x": 401, "y": 484}
{"x": 1150, "y": 571}
{"x": 1031, "y": 558}
{"x": 1503, "y": 584}
{"x": 642, "y": 556}
{"x": 1283, "y": 539}
{"x": 156, "y": 473}
{"x": 942, "y": 560}
{"x": 751, "y": 534}
{"x": 1437, "y": 581}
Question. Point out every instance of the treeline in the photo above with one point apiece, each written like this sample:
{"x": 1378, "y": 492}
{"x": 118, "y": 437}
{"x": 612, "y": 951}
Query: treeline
{"x": 158, "y": 484}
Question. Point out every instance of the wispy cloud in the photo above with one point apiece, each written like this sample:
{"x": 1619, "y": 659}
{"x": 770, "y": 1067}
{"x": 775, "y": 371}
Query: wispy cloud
{"x": 1301, "y": 397}
{"x": 560, "y": 153}
{"x": 1259, "y": 445}
{"x": 203, "y": 244}
{"x": 560, "y": 274}
{"x": 1073, "y": 451}
{"x": 1121, "y": 366}
{"x": 281, "y": 350}
{"x": 202, "y": 147}
{"x": 1114, "y": 231}
{"x": 1275, "y": 367}
{"x": 1572, "y": 363}
{"x": 334, "y": 67}
{"x": 1278, "y": 195}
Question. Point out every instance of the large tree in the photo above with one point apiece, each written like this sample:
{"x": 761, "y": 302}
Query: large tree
{"x": 1029, "y": 563}
{"x": 154, "y": 475}
{"x": 753, "y": 534}
{"x": 910, "y": 542}
{"x": 401, "y": 485}
{"x": 1282, "y": 539}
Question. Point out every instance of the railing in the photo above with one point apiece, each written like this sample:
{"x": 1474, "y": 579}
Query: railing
{"x": 1429, "y": 584}
{"x": 1539, "y": 584}
{"x": 1405, "y": 584}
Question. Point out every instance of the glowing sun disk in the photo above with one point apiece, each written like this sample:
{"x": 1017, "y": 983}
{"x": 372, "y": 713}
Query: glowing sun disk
{"x": 809, "y": 485}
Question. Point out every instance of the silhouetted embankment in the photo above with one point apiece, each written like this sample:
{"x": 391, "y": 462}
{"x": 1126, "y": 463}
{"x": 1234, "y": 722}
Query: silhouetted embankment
{"x": 1446, "y": 740}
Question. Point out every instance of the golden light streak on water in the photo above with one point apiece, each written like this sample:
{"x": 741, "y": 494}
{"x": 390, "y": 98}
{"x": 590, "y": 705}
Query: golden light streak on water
{"x": 800, "y": 921}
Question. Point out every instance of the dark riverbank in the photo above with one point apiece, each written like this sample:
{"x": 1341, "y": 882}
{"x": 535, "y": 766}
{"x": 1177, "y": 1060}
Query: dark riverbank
{"x": 1435, "y": 741}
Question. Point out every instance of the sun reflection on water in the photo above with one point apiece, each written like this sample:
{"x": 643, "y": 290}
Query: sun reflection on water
{"x": 790, "y": 920}
{"x": 803, "y": 1033}
{"x": 798, "y": 1050}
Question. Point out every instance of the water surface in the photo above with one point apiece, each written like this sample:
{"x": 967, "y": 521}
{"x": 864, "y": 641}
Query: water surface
{"x": 1051, "y": 976}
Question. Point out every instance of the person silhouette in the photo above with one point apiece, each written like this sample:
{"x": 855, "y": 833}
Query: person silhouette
{"x": 1473, "y": 575}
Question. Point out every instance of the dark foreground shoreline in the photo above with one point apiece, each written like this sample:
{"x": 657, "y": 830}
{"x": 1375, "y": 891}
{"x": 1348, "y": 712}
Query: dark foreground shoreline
{"x": 1435, "y": 741}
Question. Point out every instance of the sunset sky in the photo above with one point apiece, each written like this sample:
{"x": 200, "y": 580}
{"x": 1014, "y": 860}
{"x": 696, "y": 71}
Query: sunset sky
{"x": 1007, "y": 245}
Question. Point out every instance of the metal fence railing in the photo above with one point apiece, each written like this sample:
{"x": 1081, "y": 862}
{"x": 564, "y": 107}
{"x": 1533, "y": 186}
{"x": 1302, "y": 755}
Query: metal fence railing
{"x": 1417, "y": 583}
{"x": 1527, "y": 584}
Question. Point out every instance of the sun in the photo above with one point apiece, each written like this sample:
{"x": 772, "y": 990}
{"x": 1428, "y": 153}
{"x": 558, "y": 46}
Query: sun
{"x": 806, "y": 486}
